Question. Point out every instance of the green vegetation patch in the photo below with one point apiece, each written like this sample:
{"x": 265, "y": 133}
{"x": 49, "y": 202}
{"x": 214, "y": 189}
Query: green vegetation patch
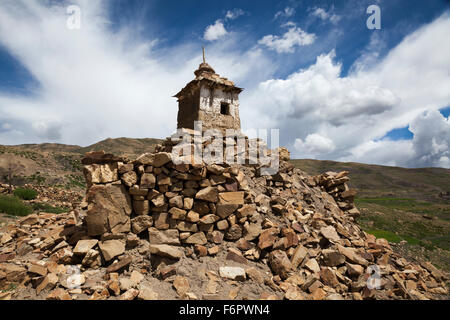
{"x": 14, "y": 206}
{"x": 389, "y": 236}
{"x": 25, "y": 194}
{"x": 408, "y": 205}
{"x": 45, "y": 207}
{"x": 398, "y": 203}
{"x": 37, "y": 178}
{"x": 11, "y": 287}
{"x": 75, "y": 181}
{"x": 405, "y": 219}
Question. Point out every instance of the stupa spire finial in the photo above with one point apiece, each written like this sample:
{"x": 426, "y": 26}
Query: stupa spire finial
{"x": 203, "y": 49}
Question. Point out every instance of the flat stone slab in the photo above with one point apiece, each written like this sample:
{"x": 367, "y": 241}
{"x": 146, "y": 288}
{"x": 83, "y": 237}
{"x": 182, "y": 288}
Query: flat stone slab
{"x": 83, "y": 246}
{"x": 233, "y": 273}
{"x": 165, "y": 250}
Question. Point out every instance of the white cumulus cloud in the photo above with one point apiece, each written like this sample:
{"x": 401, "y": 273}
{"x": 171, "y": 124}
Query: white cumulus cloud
{"x": 356, "y": 111}
{"x": 215, "y": 31}
{"x": 321, "y": 92}
{"x": 292, "y": 38}
{"x": 96, "y": 82}
{"x": 314, "y": 144}
{"x": 431, "y": 143}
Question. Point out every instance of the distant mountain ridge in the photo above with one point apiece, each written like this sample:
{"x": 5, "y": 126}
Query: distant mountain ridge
{"x": 125, "y": 146}
{"x": 422, "y": 183}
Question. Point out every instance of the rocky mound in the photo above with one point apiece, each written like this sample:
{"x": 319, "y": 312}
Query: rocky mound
{"x": 151, "y": 229}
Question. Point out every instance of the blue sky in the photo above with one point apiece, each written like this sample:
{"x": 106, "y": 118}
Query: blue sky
{"x": 334, "y": 88}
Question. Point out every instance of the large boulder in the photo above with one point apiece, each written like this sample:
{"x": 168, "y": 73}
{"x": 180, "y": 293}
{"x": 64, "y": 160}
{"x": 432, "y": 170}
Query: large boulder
{"x": 109, "y": 209}
{"x": 207, "y": 194}
{"x": 154, "y": 159}
{"x": 101, "y": 173}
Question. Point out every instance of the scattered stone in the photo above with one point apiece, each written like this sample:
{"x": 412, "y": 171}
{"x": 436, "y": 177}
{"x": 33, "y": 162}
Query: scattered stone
{"x": 37, "y": 269}
{"x": 130, "y": 294}
{"x": 48, "y": 283}
{"x": 147, "y": 293}
{"x": 299, "y": 255}
{"x": 111, "y": 248}
{"x": 123, "y": 263}
{"x": 225, "y": 210}
{"x": 92, "y": 259}
{"x": 197, "y": 238}
{"x": 200, "y": 251}
{"x": 332, "y": 258}
{"x": 267, "y": 238}
{"x": 170, "y": 236}
{"x": 329, "y": 278}
{"x": 236, "y": 256}
{"x": 167, "y": 272}
{"x": 294, "y": 293}
{"x": 181, "y": 285}
{"x": 165, "y": 250}
{"x": 213, "y": 250}
{"x": 352, "y": 256}
{"x": 330, "y": 233}
{"x": 302, "y": 227}
{"x": 279, "y": 263}
{"x": 59, "y": 294}
{"x": 83, "y": 246}
{"x": 255, "y": 275}
{"x": 208, "y": 194}
{"x": 354, "y": 270}
{"x": 233, "y": 273}
{"x": 211, "y": 287}
{"x": 233, "y": 233}
{"x": 244, "y": 245}
{"x": 231, "y": 197}
{"x": 233, "y": 293}
{"x": 312, "y": 265}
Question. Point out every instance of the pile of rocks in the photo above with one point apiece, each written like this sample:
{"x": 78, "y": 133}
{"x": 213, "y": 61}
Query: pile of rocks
{"x": 237, "y": 147}
{"x": 153, "y": 229}
{"x": 175, "y": 204}
{"x": 51, "y": 195}
{"x": 55, "y": 196}
{"x": 335, "y": 184}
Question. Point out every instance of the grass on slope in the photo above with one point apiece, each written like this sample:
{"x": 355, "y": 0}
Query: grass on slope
{"x": 397, "y": 220}
{"x": 25, "y": 194}
{"x": 45, "y": 207}
{"x": 13, "y": 206}
{"x": 389, "y": 236}
{"x": 406, "y": 221}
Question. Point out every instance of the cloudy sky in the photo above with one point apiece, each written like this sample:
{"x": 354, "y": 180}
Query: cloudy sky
{"x": 335, "y": 89}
